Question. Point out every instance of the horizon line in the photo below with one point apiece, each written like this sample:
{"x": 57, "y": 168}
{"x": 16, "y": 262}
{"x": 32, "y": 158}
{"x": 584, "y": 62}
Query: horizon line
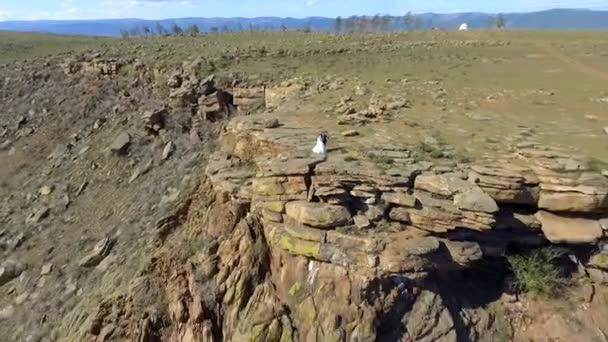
{"x": 314, "y": 16}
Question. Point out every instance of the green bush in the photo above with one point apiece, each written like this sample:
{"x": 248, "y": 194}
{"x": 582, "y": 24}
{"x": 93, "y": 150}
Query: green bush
{"x": 536, "y": 273}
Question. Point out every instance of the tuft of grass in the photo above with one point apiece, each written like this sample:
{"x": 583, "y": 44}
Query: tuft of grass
{"x": 536, "y": 273}
{"x": 349, "y": 158}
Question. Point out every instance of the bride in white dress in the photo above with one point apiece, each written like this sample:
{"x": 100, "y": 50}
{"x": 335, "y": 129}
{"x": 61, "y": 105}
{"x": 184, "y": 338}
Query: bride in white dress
{"x": 321, "y": 146}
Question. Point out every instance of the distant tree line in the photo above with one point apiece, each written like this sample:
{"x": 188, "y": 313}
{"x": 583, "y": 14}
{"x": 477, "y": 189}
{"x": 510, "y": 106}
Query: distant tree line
{"x": 161, "y": 31}
{"x": 498, "y": 22}
{"x": 351, "y": 24}
{"x": 191, "y": 30}
{"x": 380, "y": 23}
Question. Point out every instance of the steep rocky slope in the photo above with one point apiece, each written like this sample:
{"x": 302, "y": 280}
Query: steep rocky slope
{"x": 143, "y": 203}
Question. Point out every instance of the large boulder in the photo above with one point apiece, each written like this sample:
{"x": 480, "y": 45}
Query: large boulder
{"x": 121, "y": 143}
{"x": 318, "y": 215}
{"x": 507, "y": 185}
{"x": 10, "y": 270}
{"x": 399, "y": 199}
{"x": 572, "y": 198}
{"x": 475, "y": 200}
{"x": 442, "y": 185}
{"x": 564, "y": 229}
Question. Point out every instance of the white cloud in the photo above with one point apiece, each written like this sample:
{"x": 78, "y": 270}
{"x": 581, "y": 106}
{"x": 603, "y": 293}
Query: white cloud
{"x": 312, "y": 2}
{"x": 4, "y": 15}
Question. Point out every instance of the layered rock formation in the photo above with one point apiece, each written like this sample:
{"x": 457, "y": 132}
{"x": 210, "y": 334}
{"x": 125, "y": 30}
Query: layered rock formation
{"x": 350, "y": 250}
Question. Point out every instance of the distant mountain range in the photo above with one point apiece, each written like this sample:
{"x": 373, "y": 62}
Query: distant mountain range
{"x": 566, "y": 19}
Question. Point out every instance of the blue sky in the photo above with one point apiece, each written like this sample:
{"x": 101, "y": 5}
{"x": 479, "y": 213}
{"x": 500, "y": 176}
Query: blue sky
{"x": 159, "y": 9}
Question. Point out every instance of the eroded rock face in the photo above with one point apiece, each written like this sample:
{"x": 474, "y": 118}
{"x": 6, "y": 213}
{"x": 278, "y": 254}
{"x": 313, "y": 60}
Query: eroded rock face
{"x": 295, "y": 247}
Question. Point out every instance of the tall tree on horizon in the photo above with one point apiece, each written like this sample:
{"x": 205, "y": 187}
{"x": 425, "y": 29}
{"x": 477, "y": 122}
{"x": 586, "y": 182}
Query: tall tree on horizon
{"x": 176, "y": 30}
{"x": 500, "y": 21}
{"x": 338, "y": 24}
{"x": 193, "y": 30}
{"x": 408, "y": 21}
{"x": 385, "y": 22}
{"x": 363, "y": 23}
{"x": 376, "y": 23}
{"x": 351, "y": 23}
{"x": 308, "y": 27}
{"x": 160, "y": 29}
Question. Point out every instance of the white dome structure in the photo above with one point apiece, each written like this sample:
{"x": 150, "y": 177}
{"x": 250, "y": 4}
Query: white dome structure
{"x": 463, "y": 27}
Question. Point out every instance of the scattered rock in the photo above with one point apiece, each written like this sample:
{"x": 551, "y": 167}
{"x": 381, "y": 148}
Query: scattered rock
{"x": 5, "y": 145}
{"x": 400, "y": 199}
{"x": 360, "y": 90}
{"x": 362, "y": 222}
{"x": 37, "y": 216}
{"x": 475, "y": 200}
{"x": 271, "y": 123}
{"x": 46, "y": 269}
{"x": 171, "y": 196}
{"x": 81, "y": 188}
{"x": 100, "y": 251}
{"x": 606, "y": 130}
{"x": 45, "y": 190}
{"x": 121, "y": 144}
{"x": 65, "y": 201}
{"x": 7, "y": 312}
{"x": 154, "y": 120}
{"x": 481, "y": 116}
{"x": 17, "y": 241}
{"x": 175, "y": 80}
{"x": 375, "y": 212}
{"x": 400, "y": 215}
{"x": 168, "y": 150}
{"x": 9, "y": 271}
{"x": 99, "y": 123}
{"x": 21, "y": 298}
{"x": 142, "y": 170}
{"x": 464, "y": 252}
{"x": 350, "y": 133}
{"x": 564, "y": 229}
{"x": 591, "y": 117}
{"x": 318, "y": 215}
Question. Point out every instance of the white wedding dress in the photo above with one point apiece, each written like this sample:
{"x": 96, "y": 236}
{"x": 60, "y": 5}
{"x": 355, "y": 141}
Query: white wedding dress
{"x": 320, "y": 147}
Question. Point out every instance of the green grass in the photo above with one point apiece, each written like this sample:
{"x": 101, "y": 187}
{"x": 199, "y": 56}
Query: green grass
{"x": 25, "y": 46}
{"x": 503, "y": 72}
{"x": 535, "y": 273}
{"x": 382, "y": 161}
